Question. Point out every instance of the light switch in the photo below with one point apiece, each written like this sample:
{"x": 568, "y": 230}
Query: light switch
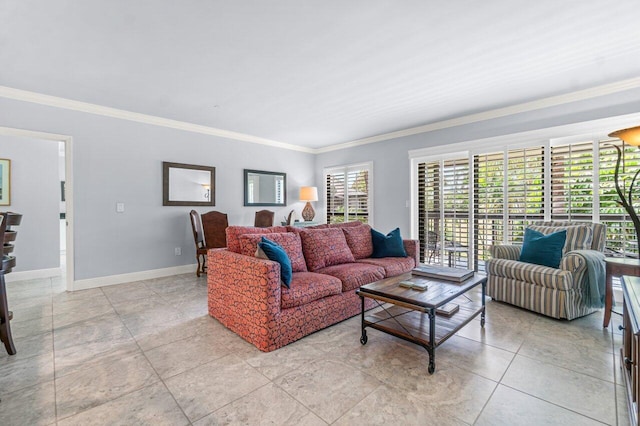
{"x": 119, "y": 207}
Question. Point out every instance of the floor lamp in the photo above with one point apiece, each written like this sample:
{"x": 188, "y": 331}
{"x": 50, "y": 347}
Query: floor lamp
{"x": 629, "y": 136}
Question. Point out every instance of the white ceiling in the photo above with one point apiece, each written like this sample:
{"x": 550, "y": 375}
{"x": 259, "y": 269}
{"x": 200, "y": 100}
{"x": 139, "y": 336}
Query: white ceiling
{"x": 315, "y": 73}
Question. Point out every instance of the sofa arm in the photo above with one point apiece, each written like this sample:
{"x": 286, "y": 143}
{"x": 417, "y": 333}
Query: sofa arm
{"x": 242, "y": 288}
{"x": 412, "y": 247}
{"x": 505, "y": 251}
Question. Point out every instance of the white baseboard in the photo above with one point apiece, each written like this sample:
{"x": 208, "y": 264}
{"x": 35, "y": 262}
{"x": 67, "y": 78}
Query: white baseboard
{"x": 33, "y": 275}
{"x": 134, "y": 276}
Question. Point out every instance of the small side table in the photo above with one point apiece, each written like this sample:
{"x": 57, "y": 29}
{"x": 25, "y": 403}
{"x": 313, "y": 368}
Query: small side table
{"x": 616, "y": 267}
{"x": 453, "y": 253}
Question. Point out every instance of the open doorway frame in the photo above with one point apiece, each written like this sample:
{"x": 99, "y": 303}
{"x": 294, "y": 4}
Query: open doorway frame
{"x": 68, "y": 151}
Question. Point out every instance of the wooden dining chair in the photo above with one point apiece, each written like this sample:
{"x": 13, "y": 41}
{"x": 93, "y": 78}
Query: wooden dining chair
{"x": 7, "y": 236}
{"x": 198, "y": 238}
{"x": 264, "y": 219}
{"x": 215, "y": 226}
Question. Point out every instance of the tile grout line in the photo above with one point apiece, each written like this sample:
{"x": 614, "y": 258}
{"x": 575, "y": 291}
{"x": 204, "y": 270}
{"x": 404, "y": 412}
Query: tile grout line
{"x": 146, "y": 358}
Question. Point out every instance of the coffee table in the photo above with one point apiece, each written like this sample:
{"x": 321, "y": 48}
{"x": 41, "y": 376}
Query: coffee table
{"x": 411, "y": 314}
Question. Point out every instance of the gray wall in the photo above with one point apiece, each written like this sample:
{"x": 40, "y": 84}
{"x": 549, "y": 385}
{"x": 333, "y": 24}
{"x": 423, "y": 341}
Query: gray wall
{"x": 121, "y": 161}
{"x": 391, "y": 164}
{"x": 35, "y": 192}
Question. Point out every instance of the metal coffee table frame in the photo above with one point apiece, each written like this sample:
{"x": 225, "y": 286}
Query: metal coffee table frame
{"x": 404, "y": 319}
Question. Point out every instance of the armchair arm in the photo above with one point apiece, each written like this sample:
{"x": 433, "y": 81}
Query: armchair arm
{"x": 412, "y": 247}
{"x": 505, "y": 251}
{"x": 576, "y": 263}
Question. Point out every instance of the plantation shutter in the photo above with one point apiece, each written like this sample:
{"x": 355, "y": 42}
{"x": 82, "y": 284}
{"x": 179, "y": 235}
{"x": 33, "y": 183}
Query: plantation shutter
{"x": 572, "y": 182}
{"x": 621, "y": 235}
{"x": 488, "y": 204}
{"x": 348, "y": 193}
{"x": 443, "y": 207}
{"x": 525, "y": 190}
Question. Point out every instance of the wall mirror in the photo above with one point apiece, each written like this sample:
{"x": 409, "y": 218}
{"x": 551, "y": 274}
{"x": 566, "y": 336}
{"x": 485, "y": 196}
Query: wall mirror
{"x": 188, "y": 185}
{"x": 265, "y": 188}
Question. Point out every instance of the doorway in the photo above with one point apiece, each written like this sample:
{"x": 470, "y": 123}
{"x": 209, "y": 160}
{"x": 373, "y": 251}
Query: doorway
{"x": 65, "y": 174}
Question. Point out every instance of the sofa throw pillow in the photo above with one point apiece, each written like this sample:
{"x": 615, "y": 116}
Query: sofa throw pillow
{"x": 389, "y": 245}
{"x": 359, "y": 240}
{"x": 543, "y": 249}
{"x": 579, "y": 237}
{"x": 325, "y": 247}
{"x": 289, "y": 241}
{"x": 277, "y": 254}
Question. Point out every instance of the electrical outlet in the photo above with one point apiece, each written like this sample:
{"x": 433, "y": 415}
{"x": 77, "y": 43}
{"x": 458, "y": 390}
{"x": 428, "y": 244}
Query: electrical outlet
{"x": 178, "y": 251}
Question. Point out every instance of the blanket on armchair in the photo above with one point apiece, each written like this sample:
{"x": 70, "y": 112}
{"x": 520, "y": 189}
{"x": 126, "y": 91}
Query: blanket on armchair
{"x": 594, "y": 279}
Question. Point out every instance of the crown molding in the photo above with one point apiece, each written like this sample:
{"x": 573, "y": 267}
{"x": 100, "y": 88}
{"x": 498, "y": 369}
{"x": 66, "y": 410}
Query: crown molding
{"x": 54, "y": 101}
{"x": 580, "y": 95}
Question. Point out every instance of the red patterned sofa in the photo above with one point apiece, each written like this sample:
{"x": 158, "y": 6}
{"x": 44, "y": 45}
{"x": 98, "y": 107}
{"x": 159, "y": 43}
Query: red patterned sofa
{"x": 329, "y": 263}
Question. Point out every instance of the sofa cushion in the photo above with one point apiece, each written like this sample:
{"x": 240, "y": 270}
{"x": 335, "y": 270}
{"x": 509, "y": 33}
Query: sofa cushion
{"x": 346, "y": 224}
{"x": 543, "y": 249}
{"x": 392, "y": 265}
{"x": 234, "y": 232}
{"x": 308, "y": 286}
{"x": 324, "y": 247}
{"x": 516, "y": 271}
{"x": 389, "y": 245}
{"x": 353, "y": 275}
{"x": 359, "y": 240}
{"x": 289, "y": 241}
{"x": 579, "y": 237}
{"x": 276, "y": 253}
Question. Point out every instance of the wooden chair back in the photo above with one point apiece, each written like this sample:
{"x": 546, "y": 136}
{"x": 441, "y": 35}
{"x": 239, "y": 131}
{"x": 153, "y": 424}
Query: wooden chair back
{"x": 264, "y": 219}
{"x": 196, "y": 226}
{"x": 215, "y": 226}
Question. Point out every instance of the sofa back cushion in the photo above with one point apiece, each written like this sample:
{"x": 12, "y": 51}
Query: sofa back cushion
{"x": 289, "y": 241}
{"x": 359, "y": 240}
{"x": 325, "y": 247}
{"x": 579, "y": 237}
{"x": 234, "y": 233}
{"x": 346, "y": 224}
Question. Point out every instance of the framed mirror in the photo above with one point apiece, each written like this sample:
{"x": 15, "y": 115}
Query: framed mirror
{"x": 188, "y": 185}
{"x": 265, "y": 188}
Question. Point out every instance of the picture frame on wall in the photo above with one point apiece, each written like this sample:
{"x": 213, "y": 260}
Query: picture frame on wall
{"x": 5, "y": 182}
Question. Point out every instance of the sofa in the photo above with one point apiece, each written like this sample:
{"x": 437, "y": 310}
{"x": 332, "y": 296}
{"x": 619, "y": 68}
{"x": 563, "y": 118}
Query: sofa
{"x": 329, "y": 263}
{"x": 564, "y": 292}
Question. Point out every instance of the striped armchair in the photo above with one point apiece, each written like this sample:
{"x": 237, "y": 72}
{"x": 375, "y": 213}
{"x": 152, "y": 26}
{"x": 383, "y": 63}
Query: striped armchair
{"x": 558, "y": 293}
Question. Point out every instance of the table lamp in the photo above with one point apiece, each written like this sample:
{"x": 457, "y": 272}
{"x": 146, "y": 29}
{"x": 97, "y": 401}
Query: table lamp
{"x": 308, "y": 194}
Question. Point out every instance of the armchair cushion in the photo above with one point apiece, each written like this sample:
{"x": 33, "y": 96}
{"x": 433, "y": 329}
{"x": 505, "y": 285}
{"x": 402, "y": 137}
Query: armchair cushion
{"x": 543, "y": 249}
{"x": 538, "y": 275}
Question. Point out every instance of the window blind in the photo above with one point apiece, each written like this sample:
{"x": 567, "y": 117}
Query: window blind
{"x": 348, "y": 193}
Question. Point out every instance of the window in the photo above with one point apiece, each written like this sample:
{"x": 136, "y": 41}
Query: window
{"x": 513, "y": 187}
{"x": 348, "y": 192}
{"x": 444, "y": 208}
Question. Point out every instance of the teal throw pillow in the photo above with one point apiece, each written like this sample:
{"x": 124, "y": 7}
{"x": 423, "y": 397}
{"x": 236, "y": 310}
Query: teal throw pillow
{"x": 543, "y": 249}
{"x": 389, "y": 245}
{"x": 276, "y": 253}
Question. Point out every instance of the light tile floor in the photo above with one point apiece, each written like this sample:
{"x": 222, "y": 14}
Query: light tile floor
{"x": 148, "y": 353}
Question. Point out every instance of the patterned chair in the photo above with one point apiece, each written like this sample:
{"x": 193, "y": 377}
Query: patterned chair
{"x": 558, "y": 293}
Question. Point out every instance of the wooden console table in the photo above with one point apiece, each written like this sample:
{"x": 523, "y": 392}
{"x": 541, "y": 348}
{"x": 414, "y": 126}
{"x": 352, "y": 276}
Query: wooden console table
{"x": 630, "y": 351}
{"x": 617, "y": 267}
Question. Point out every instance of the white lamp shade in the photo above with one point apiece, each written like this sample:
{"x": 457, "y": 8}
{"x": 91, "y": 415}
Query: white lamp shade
{"x": 308, "y": 193}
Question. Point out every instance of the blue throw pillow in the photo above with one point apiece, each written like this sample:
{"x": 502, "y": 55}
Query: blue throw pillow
{"x": 543, "y": 249}
{"x": 389, "y": 245}
{"x": 276, "y": 253}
